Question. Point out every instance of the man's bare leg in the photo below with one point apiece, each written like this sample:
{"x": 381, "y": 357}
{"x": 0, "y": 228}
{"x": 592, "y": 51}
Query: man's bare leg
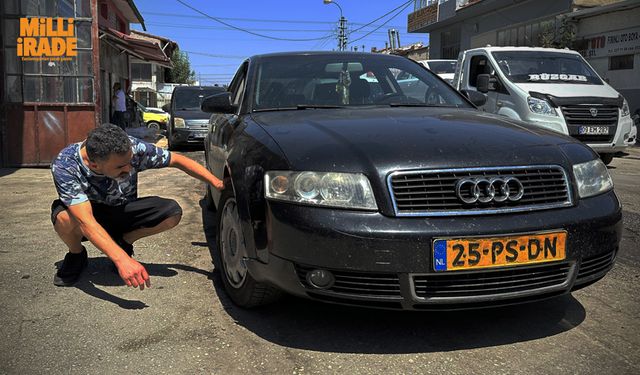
{"x": 68, "y": 230}
{"x": 137, "y": 234}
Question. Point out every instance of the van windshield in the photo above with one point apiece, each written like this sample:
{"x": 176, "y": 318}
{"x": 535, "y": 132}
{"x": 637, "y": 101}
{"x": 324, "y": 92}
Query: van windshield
{"x": 442, "y": 67}
{"x": 190, "y": 99}
{"x": 545, "y": 67}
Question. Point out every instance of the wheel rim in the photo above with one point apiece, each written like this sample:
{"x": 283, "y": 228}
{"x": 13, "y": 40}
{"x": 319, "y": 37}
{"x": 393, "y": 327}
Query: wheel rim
{"x": 232, "y": 246}
{"x": 154, "y": 125}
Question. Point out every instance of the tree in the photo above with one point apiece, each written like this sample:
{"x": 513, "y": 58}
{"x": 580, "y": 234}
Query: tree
{"x": 181, "y": 72}
{"x": 561, "y": 35}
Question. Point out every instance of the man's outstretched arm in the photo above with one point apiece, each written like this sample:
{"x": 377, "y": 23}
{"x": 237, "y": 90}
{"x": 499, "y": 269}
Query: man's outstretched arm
{"x": 132, "y": 272}
{"x": 194, "y": 169}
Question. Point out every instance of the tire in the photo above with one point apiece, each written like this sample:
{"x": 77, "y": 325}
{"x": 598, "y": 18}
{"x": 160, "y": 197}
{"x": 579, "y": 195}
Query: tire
{"x": 606, "y": 158}
{"x": 243, "y": 289}
{"x": 171, "y": 145}
{"x": 154, "y": 125}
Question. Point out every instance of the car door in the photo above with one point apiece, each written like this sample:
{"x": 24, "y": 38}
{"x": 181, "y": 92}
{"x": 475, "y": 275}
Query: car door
{"x": 479, "y": 63}
{"x": 222, "y": 127}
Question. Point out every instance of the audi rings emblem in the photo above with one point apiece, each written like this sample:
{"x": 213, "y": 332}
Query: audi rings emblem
{"x": 491, "y": 189}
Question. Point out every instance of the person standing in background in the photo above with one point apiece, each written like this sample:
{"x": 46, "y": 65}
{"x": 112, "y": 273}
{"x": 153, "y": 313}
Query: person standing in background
{"x": 119, "y": 100}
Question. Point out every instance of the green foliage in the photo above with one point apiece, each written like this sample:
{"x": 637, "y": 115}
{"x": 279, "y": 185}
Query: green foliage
{"x": 560, "y": 36}
{"x": 181, "y": 72}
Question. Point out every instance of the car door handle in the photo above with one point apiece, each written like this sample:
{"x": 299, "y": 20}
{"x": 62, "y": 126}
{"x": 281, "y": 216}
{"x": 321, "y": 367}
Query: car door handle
{"x": 499, "y": 103}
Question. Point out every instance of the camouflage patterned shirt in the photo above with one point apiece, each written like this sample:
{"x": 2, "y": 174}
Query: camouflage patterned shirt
{"x": 76, "y": 183}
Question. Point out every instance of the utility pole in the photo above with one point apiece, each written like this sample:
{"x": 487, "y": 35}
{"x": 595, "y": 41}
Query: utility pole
{"x": 342, "y": 27}
{"x": 342, "y": 34}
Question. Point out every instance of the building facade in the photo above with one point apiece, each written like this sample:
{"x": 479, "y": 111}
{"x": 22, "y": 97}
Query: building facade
{"x": 49, "y": 102}
{"x": 148, "y": 77}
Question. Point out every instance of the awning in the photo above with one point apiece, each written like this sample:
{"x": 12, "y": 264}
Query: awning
{"x": 142, "y": 49}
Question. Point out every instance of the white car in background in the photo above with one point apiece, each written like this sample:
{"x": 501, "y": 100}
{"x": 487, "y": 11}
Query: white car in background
{"x": 443, "y": 68}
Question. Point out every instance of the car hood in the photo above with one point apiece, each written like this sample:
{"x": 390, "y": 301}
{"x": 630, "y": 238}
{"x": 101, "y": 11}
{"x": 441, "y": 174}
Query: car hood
{"x": 570, "y": 90}
{"x": 382, "y": 140}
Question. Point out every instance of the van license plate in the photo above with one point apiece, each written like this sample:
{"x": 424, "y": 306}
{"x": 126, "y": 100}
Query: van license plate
{"x": 593, "y": 130}
{"x": 455, "y": 254}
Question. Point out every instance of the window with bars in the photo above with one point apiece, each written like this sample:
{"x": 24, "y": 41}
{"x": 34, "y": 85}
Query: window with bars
{"x": 47, "y": 81}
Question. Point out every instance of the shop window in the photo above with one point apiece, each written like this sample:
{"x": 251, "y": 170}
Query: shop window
{"x": 623, "y": 62}
{"x": 141, "y": 72}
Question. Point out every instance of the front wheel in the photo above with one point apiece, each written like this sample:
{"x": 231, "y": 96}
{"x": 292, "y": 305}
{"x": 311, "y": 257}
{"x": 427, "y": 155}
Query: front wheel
{"x": 606, "y": 158}
{"x": 230, "y": 257}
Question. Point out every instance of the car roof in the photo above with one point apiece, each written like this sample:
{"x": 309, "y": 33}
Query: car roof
{"x": 531, "y": 49}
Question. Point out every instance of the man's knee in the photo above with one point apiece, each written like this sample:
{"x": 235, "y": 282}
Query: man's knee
{"x": 172, "y": 221}
{"x": 65, "y": 223}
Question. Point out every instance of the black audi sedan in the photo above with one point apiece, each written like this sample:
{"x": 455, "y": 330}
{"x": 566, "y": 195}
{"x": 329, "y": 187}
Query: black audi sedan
{"x": 365, "y": 179}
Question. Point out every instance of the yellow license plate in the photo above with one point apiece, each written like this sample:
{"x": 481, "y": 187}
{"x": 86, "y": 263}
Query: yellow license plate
{"x": 454, "y": 254}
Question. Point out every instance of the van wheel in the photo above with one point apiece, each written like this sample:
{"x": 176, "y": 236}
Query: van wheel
{"x": 231, "y": 252}
{"x": 606, "y": 158}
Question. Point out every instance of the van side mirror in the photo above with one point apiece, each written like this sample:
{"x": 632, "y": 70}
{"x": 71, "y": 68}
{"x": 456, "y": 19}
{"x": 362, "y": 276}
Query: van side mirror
{"x": 478, "y": 99}
{"x": 218, "y": 103}
{"x": 486, "y": 83}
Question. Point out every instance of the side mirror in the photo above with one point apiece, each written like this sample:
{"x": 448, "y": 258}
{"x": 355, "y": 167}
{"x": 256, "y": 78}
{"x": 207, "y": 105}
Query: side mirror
{"x": 218, "y": 103}
{"x": 165, "y": 108}
{"x": 486, "y": 83}
{"x": 478, "y": 99}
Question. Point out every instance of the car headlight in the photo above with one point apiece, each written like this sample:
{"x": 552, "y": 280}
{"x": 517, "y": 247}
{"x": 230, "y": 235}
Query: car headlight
{"x": 540, "y": 107}
{"x": 625, "y": 108}
{"x": 178, "y": 122}
{"x": 345, "y": 190}
{"x": 592, "y": 178}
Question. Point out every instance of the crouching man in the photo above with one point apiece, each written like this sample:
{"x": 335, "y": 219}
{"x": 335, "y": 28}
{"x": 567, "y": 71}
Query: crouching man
{"x": 97, "y": 184}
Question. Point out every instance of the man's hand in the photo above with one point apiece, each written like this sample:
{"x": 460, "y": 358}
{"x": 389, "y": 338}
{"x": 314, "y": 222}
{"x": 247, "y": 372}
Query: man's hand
{"x": 218, "y": 184}
{"x": 133, "y": 273}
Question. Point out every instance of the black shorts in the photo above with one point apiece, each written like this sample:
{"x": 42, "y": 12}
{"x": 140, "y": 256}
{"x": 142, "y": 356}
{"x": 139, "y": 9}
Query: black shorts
{"x": 145, "y": 212}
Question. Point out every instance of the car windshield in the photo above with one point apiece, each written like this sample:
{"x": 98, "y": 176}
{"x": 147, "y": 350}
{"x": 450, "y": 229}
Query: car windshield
{"x": 442, "y": 67}
{"x": 347, "y": 80}
{"x": 190, "y": 99}
{"x": 545, "y": 67}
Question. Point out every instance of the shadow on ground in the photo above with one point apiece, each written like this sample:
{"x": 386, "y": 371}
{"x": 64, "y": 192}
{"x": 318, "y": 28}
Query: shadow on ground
{"x": 305, "y": 324}
{"x": 102, "y": 272}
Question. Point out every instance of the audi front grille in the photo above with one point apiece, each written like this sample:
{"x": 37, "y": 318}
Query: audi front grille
{"x": 438, "y": 192}
{"x": 581, "y": 115}
{"x": 493, "y": 282}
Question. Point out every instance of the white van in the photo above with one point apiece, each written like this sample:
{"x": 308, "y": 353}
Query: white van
{"x": 551, "y": 88}
{"x": 443, "y": 68}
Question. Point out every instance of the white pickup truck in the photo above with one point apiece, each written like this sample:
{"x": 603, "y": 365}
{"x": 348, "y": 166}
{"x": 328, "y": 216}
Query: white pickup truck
{"x": 550, "y": 88}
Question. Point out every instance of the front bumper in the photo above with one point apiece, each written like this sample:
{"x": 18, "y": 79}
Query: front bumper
{"x": 184, "y": 136}
{"x": 386, "y": 262}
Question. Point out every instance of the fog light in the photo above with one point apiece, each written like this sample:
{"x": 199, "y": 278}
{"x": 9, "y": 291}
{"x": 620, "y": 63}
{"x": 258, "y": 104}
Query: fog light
{"x": 321, "y": 279}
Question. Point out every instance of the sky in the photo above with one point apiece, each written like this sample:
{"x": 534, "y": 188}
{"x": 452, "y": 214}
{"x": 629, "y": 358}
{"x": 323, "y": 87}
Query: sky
{"x": 216, "y": 50}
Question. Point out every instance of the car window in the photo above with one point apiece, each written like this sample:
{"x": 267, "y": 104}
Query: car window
{"x": 330, "y": 80}
{"x": 191, "y": 98}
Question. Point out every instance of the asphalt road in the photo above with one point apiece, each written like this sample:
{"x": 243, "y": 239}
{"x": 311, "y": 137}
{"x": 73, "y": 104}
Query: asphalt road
{"x": 185, "y": 324}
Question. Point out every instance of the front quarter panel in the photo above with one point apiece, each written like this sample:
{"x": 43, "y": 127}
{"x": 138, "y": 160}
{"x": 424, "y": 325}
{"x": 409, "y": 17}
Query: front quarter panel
{"x": 252, "y": 152}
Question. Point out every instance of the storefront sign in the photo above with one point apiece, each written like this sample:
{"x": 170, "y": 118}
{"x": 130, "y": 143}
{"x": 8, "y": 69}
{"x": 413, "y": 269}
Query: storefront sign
{"x": 622, "y": 42}
{"x": 49, "y": 39}
{"x": 423, "y": 17}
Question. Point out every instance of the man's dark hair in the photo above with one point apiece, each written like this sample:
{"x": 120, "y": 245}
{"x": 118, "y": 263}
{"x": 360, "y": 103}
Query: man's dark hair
{"x": 106, "y": 140}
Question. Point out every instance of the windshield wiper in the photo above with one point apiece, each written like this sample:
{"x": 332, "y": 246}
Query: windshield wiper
{"x": 313, "y": 106}
{"x": 420, "y": 105}
{"x": 299, "y": 107}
